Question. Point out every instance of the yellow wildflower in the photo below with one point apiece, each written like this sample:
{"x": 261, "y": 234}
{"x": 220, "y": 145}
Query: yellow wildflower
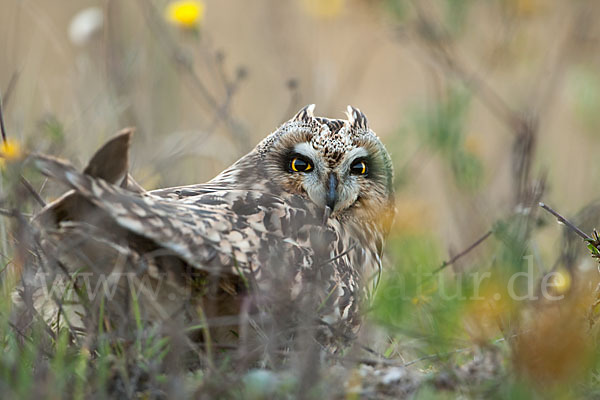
{"x": 561, "y": 281}
{"x": 323, "y": 8}
{"x": 185, "y": 13}
{"x": 9, "y": 151}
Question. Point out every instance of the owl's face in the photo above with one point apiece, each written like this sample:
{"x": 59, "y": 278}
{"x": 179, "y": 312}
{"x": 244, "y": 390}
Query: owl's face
{"x": 340, "y": 165}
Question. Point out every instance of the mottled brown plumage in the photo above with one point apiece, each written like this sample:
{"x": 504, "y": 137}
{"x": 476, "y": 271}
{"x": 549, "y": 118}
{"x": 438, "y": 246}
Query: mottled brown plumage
{"x": 298, "y": 244}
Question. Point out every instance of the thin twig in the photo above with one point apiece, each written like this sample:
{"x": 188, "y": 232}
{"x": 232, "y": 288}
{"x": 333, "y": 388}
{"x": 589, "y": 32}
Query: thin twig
{"x": 177, "y": 54}
{"x": 441, "y": 50}
{"x": 565, "y": 221}
{"x": 2, "y": 126}
{"x": 464, "y": 252}
{"x": 200, "y": 90}
{"x": 32, "y": 191}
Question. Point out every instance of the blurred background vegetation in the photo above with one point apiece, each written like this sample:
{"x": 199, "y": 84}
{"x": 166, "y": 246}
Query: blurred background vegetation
{"x": 487, "y": 108}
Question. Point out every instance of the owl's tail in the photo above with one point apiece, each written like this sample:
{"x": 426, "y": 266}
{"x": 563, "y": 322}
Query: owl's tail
{"x": 103, "y": 187}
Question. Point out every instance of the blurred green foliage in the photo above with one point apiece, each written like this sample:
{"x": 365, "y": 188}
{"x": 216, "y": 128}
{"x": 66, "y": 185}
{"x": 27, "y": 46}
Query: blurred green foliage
{"x": 417, "y": 301}
{"x": 441, "y": 127}
{"x": 399, "y": 9}
{"x": 584, "y": 85}
{"x": 455, "y": 13}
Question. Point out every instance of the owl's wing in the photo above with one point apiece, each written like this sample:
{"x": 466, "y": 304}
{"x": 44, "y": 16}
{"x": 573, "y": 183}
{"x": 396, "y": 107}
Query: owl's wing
{"x": 217, "y": 231}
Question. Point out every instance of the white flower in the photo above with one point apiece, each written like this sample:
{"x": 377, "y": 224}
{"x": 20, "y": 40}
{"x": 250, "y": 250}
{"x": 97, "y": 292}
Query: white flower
{"x": 85, "y": 24}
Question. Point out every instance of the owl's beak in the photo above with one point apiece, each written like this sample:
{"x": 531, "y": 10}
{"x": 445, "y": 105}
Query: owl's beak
{"x": 331, "y": 196}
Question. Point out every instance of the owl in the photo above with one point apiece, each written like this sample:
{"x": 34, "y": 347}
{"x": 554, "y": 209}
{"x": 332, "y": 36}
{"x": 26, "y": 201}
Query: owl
{"x": 289, "y": 237}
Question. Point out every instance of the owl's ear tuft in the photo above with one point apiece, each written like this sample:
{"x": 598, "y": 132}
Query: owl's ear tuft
{"x": 357, "y": 119}
{"x": 306, "y": 114}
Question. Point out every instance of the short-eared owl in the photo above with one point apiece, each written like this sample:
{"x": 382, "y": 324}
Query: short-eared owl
{"x": 292, "y": 230}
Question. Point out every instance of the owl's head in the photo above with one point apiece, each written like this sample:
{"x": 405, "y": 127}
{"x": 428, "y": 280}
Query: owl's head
{"x": 340, "y": 165}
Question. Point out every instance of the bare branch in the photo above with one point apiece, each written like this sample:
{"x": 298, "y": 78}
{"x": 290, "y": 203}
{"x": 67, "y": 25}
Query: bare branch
{"x": 565, "y": 221}
{"x": 464, "y": 252}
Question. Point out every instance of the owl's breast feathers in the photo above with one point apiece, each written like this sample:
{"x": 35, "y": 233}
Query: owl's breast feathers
{"x": 274, "y": 241}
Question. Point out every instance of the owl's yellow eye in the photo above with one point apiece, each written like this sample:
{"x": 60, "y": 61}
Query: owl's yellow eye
{"x": 358, "y": 168}
{"x": 300, "y": 165}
